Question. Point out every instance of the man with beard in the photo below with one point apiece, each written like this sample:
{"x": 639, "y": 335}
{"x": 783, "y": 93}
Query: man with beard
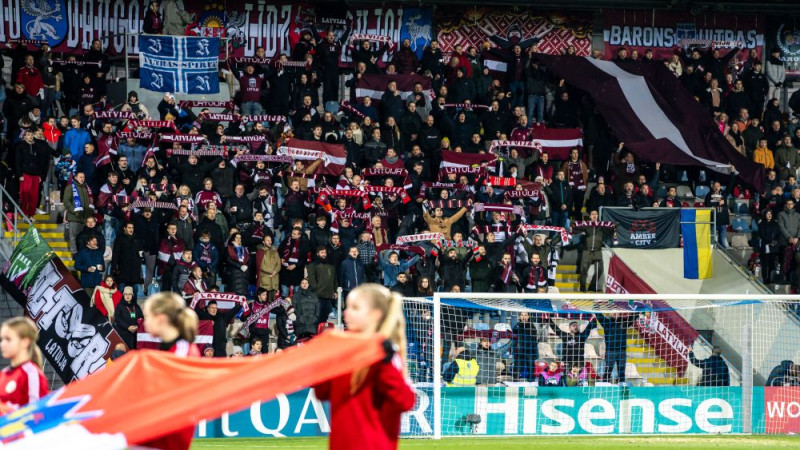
{"x": 405, "y": 60}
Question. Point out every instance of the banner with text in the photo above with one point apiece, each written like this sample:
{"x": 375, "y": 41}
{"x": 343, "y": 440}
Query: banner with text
{"x": 75, "y": 337}
{"x": 71, "y": 25}
{"x": 666, "y": 31}
{"x": 645, "y": 228}
{"x": 509, "y": 411}
{"x": 784, "y": 34}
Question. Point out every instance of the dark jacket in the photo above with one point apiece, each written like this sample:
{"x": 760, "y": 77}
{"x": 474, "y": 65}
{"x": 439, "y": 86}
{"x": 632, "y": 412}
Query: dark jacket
{"x": 481, "y": 272}
{"x": 127, "y": 315}
{"x": 782, "y": 375}
{"x": 715, "y": 370}
{"x": 351, "y": 273}
{"x": 322, "y": 277}
{"x": 560, "y": 194}
{"x": 85, "y": 259}
{"x": 87, "y": 233}
{"x": 180, "y": 273}
{"x": 220, "y": 320}
{"x": 615, "y": 330}
{"x": 306, "y": 310}
{"x": 125, "y": 260}
{"x": 572, "y": 345}
{"x": 147, "y": 233}
{"x": 454, "y": 271}
{"x": 214, "y": 230}
{"x": 31, "y": 159}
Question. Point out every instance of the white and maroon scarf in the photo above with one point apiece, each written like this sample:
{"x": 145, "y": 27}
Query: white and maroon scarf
{"x": 225, "y": 301}
{"x": 419, "y": 238}
{"x": 565, "y": 236}
{"x": 501, "y": 208}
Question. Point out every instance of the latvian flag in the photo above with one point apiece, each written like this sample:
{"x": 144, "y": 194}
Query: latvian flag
{"x": 373, "y": 86}
{"x": 654, "y": 114}
{"x": 205, "y": 336}
{"x": 334, "y": 154}
{"x": 558, "y": 142}
{"x": 466, "y": 160}
{"x": 171, "y": 393}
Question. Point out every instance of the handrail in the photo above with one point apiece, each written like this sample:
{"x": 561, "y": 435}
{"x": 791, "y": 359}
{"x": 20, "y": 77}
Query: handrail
{"x": 18, "y": 213}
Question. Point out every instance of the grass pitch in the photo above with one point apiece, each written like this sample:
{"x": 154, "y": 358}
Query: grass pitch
{"x": 593, "y": 442}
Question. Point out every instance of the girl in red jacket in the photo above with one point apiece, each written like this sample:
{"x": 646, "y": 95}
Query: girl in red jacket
{"x": 167, "y": 317}
{"x": 23, "y": 381}
{"x": 366, "y": 405}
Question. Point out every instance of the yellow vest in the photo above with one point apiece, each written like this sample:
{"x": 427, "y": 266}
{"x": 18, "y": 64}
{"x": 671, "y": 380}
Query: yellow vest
{"x": 467, "y": 373}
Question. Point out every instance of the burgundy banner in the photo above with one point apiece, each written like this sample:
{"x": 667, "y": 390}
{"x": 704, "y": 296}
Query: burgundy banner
{"x": 666, "y": 332}
{"x": 665, "y": 32}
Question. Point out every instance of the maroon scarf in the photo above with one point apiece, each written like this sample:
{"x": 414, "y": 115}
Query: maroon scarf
{"x": 291, "y": 254}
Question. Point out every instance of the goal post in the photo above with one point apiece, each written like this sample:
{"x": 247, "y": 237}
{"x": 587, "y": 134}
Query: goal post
{"x": 528, "y": 364}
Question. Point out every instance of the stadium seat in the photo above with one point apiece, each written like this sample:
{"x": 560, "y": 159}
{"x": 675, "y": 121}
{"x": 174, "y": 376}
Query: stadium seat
{"x": 541, "y": 366}
{"x": 741, "y": 207}
{"x": 590, "y": 353}
{"x": 686, "y": 204}
{"x": 701, "y": 191}
{"x": 684, "y": 191}
{"x": 546, "y": 352}
{"x": 740, "y": 241}
{"x": 631, "y": 372}
{"x": 740, "y": 225}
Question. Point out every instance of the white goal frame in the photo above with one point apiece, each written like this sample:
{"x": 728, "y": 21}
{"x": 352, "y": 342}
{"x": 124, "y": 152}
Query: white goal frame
{"x": 747, "y": 362}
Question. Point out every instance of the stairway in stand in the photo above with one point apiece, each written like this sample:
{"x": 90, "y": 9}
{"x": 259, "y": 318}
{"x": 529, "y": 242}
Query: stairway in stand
{"x": 51, "y": 232}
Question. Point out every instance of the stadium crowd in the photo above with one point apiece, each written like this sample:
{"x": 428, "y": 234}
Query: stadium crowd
{"x": 219, "y": 209}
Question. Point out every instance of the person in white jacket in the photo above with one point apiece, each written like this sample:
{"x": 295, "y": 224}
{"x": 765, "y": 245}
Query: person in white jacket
{"x": 776, "y": 74}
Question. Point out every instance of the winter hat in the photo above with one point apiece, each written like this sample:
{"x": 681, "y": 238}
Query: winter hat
{"x": 128, "y": 290}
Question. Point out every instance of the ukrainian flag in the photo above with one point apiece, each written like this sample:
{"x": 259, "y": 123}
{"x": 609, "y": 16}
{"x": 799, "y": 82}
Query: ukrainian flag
{"x": 696, "y": 229}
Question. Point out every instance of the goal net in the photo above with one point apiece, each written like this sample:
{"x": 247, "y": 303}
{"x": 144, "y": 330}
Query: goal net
{"x": 519, "y": 364}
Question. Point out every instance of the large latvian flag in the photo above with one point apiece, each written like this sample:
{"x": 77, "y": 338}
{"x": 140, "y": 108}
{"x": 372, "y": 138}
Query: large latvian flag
{"x": 656, "y": 117}
{"x": 187, "y": 65}
{"x": 696, "y": 229}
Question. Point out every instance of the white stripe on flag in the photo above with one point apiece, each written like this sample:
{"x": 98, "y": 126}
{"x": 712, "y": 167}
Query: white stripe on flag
{"x": 497, "y": 66}
{"x": 560, "y": 142}
{"x": 452, "y": 164}
{"x": 376, "y": 94}
{"x": 639, "y": 97}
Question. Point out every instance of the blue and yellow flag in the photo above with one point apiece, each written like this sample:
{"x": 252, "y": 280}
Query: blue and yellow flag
{"x": 696, "y": 229}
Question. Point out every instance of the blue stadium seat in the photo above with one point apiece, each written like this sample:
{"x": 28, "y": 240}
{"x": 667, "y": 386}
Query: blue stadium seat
{"x": 701, "y": 191}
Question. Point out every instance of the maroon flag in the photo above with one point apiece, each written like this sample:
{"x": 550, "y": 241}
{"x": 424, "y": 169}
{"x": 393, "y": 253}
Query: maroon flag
{"x": 205, "y": 336}
{"x": 465, "y": 160}
{"x": 653, "y": 113}
{"x": 373, "y": 86}
{"x": 334, "y": 155}
{"x": 558, "y": 142}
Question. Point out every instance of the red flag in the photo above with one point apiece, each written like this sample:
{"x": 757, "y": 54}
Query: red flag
{"x": 558, "y": 142}
{"x": 172, "y": 393}
{"x": 334, "y": 155}
{"x": 205, "y": 336}
{"x": 464, "y": 160}
{"x": 373, "y": 86}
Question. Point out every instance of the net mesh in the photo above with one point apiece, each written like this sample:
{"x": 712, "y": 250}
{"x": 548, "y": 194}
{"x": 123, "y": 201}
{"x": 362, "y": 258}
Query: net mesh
{"x": 564, "y": 363}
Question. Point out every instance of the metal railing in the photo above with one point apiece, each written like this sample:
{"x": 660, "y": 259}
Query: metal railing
{"x": 8, "y": 205}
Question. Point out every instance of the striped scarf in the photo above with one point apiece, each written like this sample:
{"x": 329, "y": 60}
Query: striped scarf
{"x": 419, "y": 237}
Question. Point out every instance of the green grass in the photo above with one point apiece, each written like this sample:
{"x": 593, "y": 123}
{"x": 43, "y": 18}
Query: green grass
{"x": 582, "y": 442}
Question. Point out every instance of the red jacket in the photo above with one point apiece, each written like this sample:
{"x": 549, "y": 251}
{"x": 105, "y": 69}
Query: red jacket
{"x": 32, "y": 79}
{"x": 22, "y": 385}
{"x": 371, "y": 416}
{"x": 51, "y": 133}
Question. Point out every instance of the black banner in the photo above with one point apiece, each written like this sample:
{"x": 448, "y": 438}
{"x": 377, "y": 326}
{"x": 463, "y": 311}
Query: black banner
{"x": 646, "y": 228}
{"x": 74, "y": 336}
{"x": 782, "y": 33}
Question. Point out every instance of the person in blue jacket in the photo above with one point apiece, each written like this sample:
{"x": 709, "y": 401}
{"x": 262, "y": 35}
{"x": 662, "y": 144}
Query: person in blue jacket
{"x": 76, "y": 138}
{"x": 715, "y": 369}
{"x": 391, "y": 266}
{"x": 89, "y": 261}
